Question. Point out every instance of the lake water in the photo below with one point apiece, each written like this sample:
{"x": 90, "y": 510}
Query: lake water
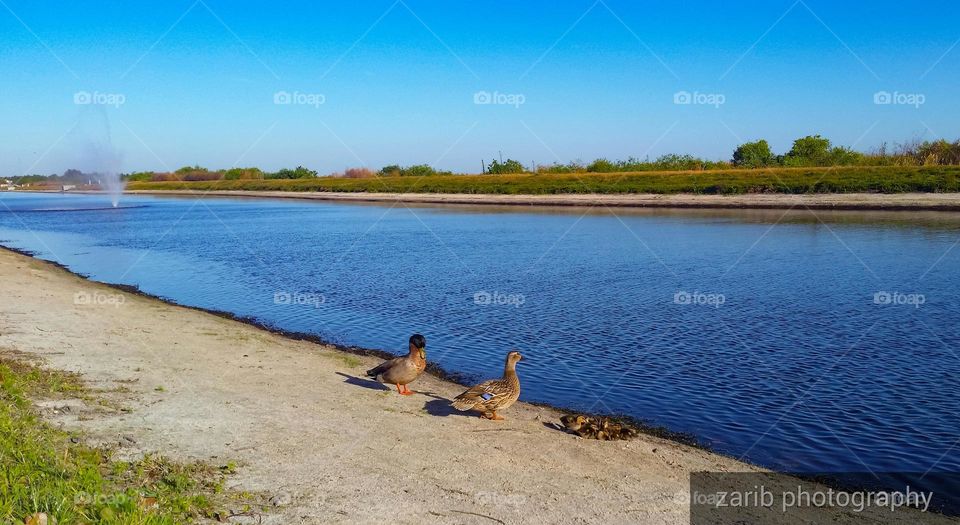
{"x": 801, "y": 342}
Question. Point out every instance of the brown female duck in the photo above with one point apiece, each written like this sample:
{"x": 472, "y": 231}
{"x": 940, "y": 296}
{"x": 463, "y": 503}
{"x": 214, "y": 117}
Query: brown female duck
{"x": 493, "y": 395}
{"x": 401, "y": 371}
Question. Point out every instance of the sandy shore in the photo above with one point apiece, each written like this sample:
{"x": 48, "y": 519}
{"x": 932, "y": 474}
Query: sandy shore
{"x": 298, "y": 421}
{"x": 832, "y": 201}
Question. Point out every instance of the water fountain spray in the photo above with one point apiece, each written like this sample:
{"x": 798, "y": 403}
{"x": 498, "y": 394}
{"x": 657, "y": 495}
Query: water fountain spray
{"x": 96, "y": 152}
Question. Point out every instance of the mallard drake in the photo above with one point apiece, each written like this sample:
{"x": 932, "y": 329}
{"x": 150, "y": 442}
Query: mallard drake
{"x": 401, "y": 371}
{"x": 493, "y": 395}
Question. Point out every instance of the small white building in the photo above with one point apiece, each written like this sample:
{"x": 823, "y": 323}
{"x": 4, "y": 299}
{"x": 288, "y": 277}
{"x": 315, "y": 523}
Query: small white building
{"x": 7, "y": 185}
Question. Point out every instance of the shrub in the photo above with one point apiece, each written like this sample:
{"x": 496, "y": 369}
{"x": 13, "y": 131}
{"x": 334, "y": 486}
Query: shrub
{"x": 189, "y": 169}
{"x": 243, "y": 174}
{"x": 602, "y": 166}
{"x": 418, "y": 170}
{"x": 199, "y": 175}
{"x": 844, "y": 156}
{"x": 754, "y": 155}
{"x": 392, "y": 170}
{"x": 674, "y": 162}
{"x": 299, "y": 173}
{"x": 812, "y": 150}
{"x": 939, "y": 152}
{"x": 508, "y": 166}
{"x": 572, "y": 167}
{"x": 140, "y": 176}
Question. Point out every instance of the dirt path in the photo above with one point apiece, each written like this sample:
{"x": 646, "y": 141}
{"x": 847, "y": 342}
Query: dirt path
{"x": 831, "y": 201}
{"x": 298, "y": 423}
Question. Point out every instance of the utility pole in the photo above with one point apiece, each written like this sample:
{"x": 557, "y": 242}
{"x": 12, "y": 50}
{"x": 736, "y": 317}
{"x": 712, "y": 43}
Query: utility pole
{"x": 501, "y": 156}
{"x": 483, "y": 167}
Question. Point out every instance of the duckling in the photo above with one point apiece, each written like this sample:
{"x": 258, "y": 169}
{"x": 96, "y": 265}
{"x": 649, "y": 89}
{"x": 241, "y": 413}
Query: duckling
{"x": 600, "y": 428}
{"x": 401, "y": 371}
{"x": 571, "y": 422}
{"x": 610, "y": 427}
{"x": 575, "y": 424}
{"x": 493, "y": 395}
{"x": 592, "y": 430}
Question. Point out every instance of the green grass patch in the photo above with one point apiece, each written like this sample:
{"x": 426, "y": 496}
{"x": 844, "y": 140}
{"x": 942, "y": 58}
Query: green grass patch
{"x": 42, "y": 470}
{"x": 348, "y": 360}
{"x": 854, "y": 179}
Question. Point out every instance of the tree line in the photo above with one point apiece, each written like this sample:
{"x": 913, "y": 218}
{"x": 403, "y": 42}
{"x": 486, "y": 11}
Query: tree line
{"x": 809, "y": 151}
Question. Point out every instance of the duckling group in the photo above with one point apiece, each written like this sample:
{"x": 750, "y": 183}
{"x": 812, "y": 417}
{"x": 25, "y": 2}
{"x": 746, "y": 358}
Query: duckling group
{"x": 491, "y": 396}
{"x": 602, "y": 428}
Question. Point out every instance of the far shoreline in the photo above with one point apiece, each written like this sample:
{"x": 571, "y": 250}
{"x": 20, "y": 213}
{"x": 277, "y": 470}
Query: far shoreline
{"x": 943, "y": 202}
{"x": 949, "y": 202}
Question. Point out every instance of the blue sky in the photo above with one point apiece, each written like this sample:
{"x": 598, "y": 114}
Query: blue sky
{"x": 194, "y": 81}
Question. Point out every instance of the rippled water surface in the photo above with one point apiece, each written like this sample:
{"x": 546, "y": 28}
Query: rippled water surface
{"x": 782, "y": 355}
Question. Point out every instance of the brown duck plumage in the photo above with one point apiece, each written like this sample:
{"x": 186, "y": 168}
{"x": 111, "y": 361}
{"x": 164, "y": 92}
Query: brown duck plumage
{"x": 493, "y": 395}
{"x": 401, "y": 371}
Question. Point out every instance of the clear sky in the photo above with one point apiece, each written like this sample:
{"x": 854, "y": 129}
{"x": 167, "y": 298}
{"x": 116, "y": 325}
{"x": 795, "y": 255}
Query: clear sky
{"x": 196, "y": 81}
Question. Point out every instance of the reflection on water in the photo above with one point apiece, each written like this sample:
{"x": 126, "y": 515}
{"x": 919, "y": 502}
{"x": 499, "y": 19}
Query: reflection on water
{"x": 799, "y": 368}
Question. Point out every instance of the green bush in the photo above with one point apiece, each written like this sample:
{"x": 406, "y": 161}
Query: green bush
{"x": 844, "y": 156}
{"x": 570, "y": 167}
{"x": 139, "y": 176}
{"x": 418, "y": 170}
{"x": 812, "y": 150}
{"x": 243, "y": 174}
{"x": 754, "y": 155}
{"x": 601, "y": 166}
{"x": 393, "y": 170}
{"x": 299, "y": 173}
{"x": 508, "y": 166}
{"x": 190, "y": 169}
{"x": 674, "y": 162}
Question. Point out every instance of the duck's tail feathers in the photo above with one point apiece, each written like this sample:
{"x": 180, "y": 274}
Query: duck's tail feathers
{"x": 464, "y": 403}
{"x": 374, "y": 372}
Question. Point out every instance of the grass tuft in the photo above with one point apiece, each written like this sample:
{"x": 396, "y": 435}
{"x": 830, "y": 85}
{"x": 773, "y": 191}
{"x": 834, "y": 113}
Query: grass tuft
{"x": 43, "y": 470}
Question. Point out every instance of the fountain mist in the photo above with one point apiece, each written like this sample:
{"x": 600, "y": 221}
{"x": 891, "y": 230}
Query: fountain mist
{"x": 96, "y": 152}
